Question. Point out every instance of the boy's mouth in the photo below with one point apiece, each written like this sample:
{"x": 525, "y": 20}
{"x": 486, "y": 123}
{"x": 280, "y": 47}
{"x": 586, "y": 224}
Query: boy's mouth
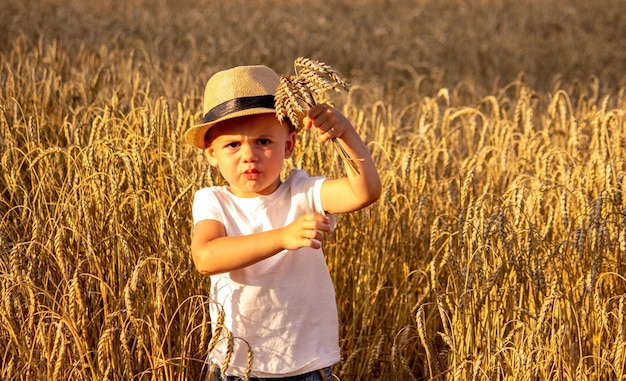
{"x": 251, "y": 173}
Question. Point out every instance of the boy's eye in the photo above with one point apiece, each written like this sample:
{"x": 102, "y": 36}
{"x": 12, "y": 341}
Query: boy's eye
{"x": 233, "y": 145}
{"x": 264, "y": 141}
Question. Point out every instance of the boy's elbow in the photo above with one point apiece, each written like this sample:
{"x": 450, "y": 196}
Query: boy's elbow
{"x": 205, "y": 270}
{"x": 201, "y": 263}
{"x": 200, "y": 268}
{"x": 375, "y": 190}
{"x": 371, "y": 196}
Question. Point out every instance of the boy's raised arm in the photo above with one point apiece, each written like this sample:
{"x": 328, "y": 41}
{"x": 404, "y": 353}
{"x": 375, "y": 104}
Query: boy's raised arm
{"x": 356, "y": 190}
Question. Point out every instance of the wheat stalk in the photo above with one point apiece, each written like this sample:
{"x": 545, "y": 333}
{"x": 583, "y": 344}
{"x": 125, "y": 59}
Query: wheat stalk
{"x": 298, "y": 93}
{"x": 373, "y": 362}
{"x": 425, "y": 340}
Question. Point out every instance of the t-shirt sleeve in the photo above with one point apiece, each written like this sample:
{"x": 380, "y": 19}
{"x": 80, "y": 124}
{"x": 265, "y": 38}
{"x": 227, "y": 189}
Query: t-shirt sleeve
{"x": 317, "y": 194}
{"x": 311, "y": 188}
{"x": 206, "y": 206}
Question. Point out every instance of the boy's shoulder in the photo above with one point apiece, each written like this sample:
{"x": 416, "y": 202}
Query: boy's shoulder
{"x": 212, "y": 189}
{"x": 298, "y": 176}
{"x": 210, "y": 192}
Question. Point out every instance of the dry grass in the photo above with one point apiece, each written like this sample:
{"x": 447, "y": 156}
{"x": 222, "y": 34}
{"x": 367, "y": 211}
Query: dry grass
{"x": 497, "y": 251}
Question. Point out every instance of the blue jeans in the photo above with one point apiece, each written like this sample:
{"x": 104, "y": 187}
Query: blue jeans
{"x": 325, "y": 374}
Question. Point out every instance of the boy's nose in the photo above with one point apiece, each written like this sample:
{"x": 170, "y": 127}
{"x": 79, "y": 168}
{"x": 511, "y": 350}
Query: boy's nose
{"x": 248, "y": 153}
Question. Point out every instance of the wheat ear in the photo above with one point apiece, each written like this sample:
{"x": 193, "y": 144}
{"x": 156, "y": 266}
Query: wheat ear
{"x": 297, "y": 93}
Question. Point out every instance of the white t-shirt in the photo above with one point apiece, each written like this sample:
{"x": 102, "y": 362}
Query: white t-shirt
{"x": 284, "y": 306}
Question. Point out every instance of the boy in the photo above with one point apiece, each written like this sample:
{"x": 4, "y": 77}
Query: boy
{"x": 259, "y": 238}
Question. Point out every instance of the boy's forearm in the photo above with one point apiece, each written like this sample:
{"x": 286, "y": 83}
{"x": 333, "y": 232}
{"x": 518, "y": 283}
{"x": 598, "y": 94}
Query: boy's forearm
{"x": 366, "y": 183}
{"x": 234, "y": 252}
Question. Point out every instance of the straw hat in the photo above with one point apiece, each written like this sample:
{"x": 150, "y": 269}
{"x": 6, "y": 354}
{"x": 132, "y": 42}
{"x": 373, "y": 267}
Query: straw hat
{"x": 240, "y": 91}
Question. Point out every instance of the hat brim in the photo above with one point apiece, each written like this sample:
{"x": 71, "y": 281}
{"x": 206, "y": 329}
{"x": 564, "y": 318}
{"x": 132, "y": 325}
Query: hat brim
{"x": 195, "y": 135}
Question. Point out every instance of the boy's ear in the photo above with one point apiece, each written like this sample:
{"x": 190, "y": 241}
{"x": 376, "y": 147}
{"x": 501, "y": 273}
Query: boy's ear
{"x": 290, "y": 144}
{"x": 210, "y": 154}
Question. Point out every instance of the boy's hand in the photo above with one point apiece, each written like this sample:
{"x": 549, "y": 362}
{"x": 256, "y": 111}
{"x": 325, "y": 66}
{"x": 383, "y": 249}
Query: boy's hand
{"x": 329, "y": 121}
{"x": 306, "y": 231}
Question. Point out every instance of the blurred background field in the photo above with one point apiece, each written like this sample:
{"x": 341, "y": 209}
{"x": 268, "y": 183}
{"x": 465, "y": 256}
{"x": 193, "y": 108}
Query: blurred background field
{"x": 497, "y": 249}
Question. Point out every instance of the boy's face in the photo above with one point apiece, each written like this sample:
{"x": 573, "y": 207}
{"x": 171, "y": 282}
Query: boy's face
{"x": 249, "y": 152}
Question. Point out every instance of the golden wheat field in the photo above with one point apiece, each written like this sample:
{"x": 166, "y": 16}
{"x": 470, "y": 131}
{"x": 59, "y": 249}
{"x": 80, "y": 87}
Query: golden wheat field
{"x": 496, "y": 252}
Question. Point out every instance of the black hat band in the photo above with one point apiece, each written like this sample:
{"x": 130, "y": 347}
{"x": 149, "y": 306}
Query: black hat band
{"x": 238, "y": 104}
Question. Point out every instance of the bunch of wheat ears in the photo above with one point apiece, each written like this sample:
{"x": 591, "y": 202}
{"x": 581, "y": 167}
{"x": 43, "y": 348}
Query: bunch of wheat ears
{"x": 298, "y": 93}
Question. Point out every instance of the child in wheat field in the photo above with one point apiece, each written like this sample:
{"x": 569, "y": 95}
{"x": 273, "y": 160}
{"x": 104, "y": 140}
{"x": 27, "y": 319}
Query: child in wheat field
{"x": 260, "y": 237}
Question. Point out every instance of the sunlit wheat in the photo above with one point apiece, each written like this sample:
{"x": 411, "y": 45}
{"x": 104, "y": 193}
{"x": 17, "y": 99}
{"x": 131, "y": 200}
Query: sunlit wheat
{"x": 496, "y": 251}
